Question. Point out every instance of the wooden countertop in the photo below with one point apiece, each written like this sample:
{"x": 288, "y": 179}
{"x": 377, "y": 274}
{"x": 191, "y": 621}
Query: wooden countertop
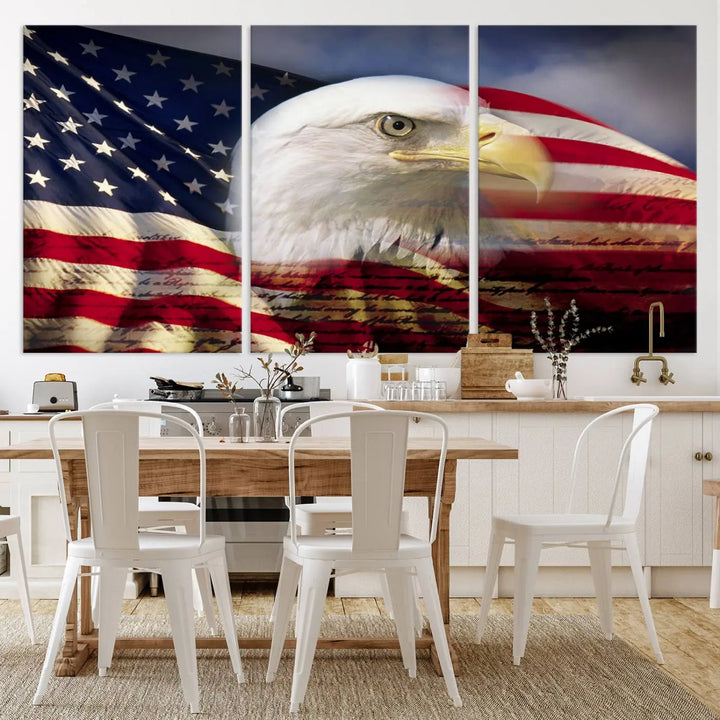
{"x": 33, "y": 417}
{"x": 709, "y": 404}
{"x": 684, "y": 404}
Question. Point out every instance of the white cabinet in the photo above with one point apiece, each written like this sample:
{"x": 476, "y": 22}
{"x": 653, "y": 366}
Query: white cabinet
{"x": 676, "y": 522}
{"x": 471, "y": 512}
{"x": 29, "y": 489}
{"x": 685, "y": 451}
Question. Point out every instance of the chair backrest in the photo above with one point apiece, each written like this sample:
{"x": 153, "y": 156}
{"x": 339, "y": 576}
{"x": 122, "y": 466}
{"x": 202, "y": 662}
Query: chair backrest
{"x": 378, "y": 444}
{"x": 633, "y": 459}
{"x": 339, "y": 427}
{"x": 111, "y": 439}
{"x": 156, "y": 407}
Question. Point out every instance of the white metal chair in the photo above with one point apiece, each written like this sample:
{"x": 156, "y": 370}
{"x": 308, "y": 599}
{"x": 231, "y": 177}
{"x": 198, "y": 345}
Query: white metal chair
{"x": 10, "y": 530}
{"x": 332, "y": 514}
{"x": 154, "y": 513}
{"x": 597, "y": 532}
{"x": 378, "y": 456}
{"x": 111, "y": 440}
{"x": 326, "y": 514}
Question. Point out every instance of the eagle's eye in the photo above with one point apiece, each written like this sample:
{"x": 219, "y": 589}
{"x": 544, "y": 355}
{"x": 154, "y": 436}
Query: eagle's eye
{"x": 395, "y": 125}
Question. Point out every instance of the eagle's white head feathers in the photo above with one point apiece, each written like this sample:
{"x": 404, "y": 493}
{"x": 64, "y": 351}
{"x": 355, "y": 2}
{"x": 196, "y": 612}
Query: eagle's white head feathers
{"x": 375, "y": 162}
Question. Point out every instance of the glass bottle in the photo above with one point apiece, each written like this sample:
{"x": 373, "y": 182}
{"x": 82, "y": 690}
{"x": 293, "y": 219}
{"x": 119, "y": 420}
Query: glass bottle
{"x": 239, "y": 426}
{"x": 266, "y": 417}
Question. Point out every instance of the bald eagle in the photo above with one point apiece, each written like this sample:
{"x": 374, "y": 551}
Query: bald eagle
{"x": 368, "y": 179}
{"x": 362, "y": 165}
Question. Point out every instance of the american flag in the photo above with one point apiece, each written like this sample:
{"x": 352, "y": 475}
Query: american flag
{"x": 126, "y": 174}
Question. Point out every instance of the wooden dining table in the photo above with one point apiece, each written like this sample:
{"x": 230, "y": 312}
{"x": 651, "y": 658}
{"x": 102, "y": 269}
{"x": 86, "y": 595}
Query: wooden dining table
{"x": 169, "y": 467}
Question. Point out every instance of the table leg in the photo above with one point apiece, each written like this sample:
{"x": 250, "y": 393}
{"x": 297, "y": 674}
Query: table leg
{"x": 73, "y": 655}
{"x": 441, "y": 559}
{"x": 86, "y": 622}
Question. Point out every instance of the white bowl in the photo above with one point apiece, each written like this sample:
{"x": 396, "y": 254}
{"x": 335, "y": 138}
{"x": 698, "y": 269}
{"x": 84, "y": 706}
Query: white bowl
{"x": 526, "y": 389}
{"x": 450, "y": 376}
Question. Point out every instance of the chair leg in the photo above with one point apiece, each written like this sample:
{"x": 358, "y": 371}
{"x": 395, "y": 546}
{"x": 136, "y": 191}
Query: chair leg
{"x": 177, "y": 581}
{"x": 633, "y": 552}
{"x": 417, "y": 610}
{"x": 204, "y": 606}
{"x": 387, "y": 601}
{"x": 284, "y": 599}
{"x": 111, "y": 582}
{"x": 715, "y": 580}
{"x": 399, "y": 584}
{"x": 17, "y": 557}
{"x": 95, "y": 598}
{"x": 314, "y": 582}
{"x": 497, "y": 542}
{"x": 428, "y": 586}
{"x": 386, "y": 596}
{"x": 527, "y": 558}
{"x": 67, "y": 587}
{"x": 601, "y": 567}
{"x": 217, "y": 568}
{"x": 202, "y": 591}
{"x": 282, "y": 584}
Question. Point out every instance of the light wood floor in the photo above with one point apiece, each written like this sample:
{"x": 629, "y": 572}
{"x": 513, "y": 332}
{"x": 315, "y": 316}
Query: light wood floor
{"x": 689, "y": 631}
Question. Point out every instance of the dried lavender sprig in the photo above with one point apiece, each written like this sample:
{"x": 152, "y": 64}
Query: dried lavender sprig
{"x": 566, "y": 342}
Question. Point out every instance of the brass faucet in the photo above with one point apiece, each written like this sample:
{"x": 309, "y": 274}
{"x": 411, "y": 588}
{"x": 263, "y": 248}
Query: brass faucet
{"x": 666, "y": 377}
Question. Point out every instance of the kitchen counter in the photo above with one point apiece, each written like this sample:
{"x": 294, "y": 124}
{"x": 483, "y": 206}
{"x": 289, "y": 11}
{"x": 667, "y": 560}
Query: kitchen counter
{"x": 597, "y": 404}
{"x": 594, "y": 404}
{"x": 15, "y": 417}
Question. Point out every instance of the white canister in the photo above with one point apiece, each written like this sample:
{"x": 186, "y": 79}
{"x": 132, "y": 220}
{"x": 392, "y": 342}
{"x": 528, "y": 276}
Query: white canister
{"x": 362, "y": 377}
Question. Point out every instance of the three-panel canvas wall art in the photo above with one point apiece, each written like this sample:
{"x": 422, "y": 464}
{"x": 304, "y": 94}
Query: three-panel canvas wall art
{"x": 152, "y": 225}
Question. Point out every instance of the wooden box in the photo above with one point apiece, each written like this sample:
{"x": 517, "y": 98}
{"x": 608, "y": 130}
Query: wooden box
{"x": 486, "y": 369}
{"x": 393, "y": 366}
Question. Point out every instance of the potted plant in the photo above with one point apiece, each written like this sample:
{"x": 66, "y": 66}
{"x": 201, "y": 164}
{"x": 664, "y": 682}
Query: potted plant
{"x": 558, "y": 346}
{"x": 266, "y": 407}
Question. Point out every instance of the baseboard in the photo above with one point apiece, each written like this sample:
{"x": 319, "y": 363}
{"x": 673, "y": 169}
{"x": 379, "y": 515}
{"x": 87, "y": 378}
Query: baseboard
{"x": 552, "y": 582}
{"x": 49, "y": 588}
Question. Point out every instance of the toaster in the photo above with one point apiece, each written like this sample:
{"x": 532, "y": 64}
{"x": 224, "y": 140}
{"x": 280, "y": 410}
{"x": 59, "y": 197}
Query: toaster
{"x": 55, "y": 396}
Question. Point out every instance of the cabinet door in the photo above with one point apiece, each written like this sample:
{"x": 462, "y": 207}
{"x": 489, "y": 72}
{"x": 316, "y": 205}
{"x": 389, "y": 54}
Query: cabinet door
{"x": 463, "y": 515}
{"x": 35, "y": 499}
{"x": 674, "y": 503}
{"x": 41, "y": 523}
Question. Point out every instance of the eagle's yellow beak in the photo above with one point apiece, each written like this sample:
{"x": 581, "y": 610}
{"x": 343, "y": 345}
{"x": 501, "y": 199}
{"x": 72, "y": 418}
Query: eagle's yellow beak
{"x": 503, "y": 149}
{"x": 509, "y": 150}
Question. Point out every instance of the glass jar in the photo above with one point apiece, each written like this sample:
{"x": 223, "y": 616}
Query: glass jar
{"x": 239, "y": 425}
{"x": 266, "y": 418}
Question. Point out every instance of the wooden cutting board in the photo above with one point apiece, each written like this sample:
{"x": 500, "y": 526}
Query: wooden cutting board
{"x": 489, "y": 362}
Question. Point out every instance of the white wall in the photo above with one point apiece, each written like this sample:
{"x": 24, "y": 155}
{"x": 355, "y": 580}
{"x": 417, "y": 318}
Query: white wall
{"x": 98, "y": 377}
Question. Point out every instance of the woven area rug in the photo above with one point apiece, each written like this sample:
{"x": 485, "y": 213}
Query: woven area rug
{"x": 570, "y": 671}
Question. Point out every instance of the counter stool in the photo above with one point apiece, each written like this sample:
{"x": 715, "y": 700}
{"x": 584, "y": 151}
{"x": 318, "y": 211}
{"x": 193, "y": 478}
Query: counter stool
{"x": 712, "y": 488}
